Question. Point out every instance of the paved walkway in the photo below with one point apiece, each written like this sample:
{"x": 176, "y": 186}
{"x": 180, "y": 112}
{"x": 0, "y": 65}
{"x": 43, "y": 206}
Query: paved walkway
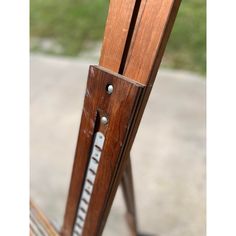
{"x": 168, "y": 156}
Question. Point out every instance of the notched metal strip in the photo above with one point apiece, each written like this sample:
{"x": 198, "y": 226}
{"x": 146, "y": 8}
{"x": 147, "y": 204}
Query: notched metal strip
{"x": 89, "y": 182}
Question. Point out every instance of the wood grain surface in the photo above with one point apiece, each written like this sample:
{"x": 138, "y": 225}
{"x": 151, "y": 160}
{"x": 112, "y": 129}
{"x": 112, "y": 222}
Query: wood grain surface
{"x": 120, "y": 108}
{"x": 135, "y": 38}
{"x": 150, "y": 38}
{"x": 116, "y": 32}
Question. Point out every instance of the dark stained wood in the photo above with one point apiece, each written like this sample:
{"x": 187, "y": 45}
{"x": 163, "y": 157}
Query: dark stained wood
{"x": 119, "y": 107}
{"x": 119, "y": 29}
{"x": 116, "y": 30}
{"x": 39, "y": 222}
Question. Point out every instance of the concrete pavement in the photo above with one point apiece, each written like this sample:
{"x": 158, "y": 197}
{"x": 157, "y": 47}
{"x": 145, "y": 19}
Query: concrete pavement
{"x": 168, "y": 156}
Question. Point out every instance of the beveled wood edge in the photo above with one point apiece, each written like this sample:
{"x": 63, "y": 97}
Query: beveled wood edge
{"x": 141, "y": 107}
{"x": 120, "y": 76}
{"x": 117, "y": 29}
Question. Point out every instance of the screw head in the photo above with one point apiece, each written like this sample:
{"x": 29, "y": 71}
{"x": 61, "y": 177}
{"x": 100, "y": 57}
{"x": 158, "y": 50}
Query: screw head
{"x": 104, "y": 120}
{"x": 110, "y": 89}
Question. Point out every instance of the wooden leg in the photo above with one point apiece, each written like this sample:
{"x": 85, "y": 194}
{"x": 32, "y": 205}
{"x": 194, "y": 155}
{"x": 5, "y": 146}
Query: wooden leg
{"x": 128, "y": 193}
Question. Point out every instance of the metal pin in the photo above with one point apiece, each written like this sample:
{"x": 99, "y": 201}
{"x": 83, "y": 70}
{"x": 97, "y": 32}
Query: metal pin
{"x": 104, "y": 120}
{"x": 110, "y": 89}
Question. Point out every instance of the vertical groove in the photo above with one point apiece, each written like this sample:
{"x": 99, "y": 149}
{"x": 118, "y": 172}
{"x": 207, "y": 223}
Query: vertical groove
{"x": 129, "y": 36}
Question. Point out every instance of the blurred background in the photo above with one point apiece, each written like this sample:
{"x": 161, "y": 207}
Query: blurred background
{"x": 70, "y": 27}
{"x": 168, "y": 156}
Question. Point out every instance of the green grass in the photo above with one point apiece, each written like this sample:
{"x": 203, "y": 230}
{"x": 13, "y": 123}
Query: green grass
{"x": 70, "y": 23}
{"x": 74, "y": 24}
{"x": 187, "y": 45}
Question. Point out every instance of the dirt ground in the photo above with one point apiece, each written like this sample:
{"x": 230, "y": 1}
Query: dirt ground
{"x": 168, "y": 156}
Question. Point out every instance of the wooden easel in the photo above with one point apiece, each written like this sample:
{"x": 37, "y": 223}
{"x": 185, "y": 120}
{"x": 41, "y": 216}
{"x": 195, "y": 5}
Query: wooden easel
{"x": 117, "y": 91}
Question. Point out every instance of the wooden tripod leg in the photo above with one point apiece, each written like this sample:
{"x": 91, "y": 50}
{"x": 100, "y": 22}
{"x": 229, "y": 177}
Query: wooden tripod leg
{"x": 130, "y": 64}
{"x": 128, "y": 193}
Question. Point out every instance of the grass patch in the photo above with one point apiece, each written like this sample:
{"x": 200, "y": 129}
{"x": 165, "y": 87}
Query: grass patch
{"x": 187, "y": 45}
{"x": 73, "y": 24}
{"x": 69, "y": 23}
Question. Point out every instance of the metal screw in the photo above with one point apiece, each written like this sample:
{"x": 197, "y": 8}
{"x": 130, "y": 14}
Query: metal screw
{"x": 110, "y": 89}
{"x": 104, "y": 120}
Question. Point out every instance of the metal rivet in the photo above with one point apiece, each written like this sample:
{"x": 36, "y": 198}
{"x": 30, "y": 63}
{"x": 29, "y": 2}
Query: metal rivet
{"x": 104, "y": 120}
{"x": 109, "y": 89}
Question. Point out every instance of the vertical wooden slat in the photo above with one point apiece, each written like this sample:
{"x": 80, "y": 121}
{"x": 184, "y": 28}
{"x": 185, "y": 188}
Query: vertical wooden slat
{"x": 116, "y": 31}
{"x": 120, "y": 107}
{"x": 149, "y": 37}
{"x": 135, "y": 50}
{"x": 143, "y": 61}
